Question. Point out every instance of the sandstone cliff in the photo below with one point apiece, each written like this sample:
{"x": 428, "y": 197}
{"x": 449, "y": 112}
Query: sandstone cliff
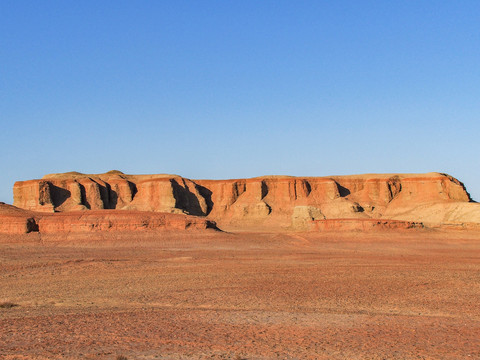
{"x": 269, "y": 202}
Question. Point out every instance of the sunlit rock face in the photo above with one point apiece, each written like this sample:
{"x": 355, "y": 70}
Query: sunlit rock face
{"x": 263, "y": 203}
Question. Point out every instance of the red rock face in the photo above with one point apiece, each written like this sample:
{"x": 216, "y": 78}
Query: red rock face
{"x": 270, "y": 202}
{"x": 17, "y": 225}
{"x": 110, "y": 220}
{"x": 16, "y": 221}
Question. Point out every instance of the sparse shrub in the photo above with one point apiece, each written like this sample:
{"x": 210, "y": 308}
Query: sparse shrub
{"x": 7, "y": 305}
{"x": 121, "y": 357}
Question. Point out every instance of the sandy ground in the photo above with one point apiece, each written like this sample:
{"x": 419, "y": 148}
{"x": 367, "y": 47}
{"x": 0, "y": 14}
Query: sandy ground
{"x": 413, "y": 295}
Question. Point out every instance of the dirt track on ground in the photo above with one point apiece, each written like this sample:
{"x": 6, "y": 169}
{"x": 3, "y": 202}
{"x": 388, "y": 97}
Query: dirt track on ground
{"x": 411, "y": 295}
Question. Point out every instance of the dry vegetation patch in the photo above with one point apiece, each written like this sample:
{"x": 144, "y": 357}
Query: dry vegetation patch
{"x": 7, "y": 305}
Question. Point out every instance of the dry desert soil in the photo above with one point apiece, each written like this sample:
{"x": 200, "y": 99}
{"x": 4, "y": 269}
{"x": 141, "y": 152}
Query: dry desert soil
{"x": 214, "y": 295}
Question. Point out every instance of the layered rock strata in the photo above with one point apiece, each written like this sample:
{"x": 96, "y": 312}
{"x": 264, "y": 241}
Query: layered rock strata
{"x": 18, "y": 221}
{"x": 111, "y": 220}
{"x": 364, "y": 225}
{"x": 269, "y": 202}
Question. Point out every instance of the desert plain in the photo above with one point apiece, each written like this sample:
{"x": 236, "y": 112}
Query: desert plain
{"x": 411, "y": 295}
{"x": 144, "y": 284}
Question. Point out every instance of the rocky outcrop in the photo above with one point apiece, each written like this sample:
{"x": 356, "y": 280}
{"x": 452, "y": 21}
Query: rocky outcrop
{"x": 364, "y": 225}
{"x": 112, "y": 221}
{"x": 18, "y": 221}
{"x": 269, "y": 202}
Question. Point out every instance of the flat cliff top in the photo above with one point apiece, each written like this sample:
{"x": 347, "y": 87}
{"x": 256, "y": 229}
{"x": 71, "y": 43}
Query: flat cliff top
{"x": 107, "y": 175}
{"x": 118, "y": 174}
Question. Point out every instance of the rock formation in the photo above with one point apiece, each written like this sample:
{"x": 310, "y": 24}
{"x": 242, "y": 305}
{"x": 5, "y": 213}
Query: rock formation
{"x": 364, "y": 225}
{"x": 111, "y": 220}
{"x": 16, "y": 221}
{"x": 268, "y": 202}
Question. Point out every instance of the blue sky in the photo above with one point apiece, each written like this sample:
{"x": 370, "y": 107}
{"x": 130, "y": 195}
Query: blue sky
{"x": 227, "y": 89}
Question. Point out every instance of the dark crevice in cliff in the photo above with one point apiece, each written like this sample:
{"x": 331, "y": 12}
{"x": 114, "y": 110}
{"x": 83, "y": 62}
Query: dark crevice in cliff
{"x": 104, "y": 195}
{"x": 343, "y": 191}
{"x": 238, "y": 188}
{"x": 269, "y": 208}
{"x": 394, "y": 187}
{"x": 83, "y": 196}
{"x": 58, "y": 195}
{"x": 207, "y": 195}
{"x": 264, "y": 189}
{"x": 32, "y": 225}
{"x": 308, "y": 187}
{"x": 133, "y": 189}
{"x": 185, "y": 199}
{"x": 112, "y": 197}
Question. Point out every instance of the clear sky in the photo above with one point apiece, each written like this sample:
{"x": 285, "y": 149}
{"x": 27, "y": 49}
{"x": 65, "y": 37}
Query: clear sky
{"x": 227, "y": 89}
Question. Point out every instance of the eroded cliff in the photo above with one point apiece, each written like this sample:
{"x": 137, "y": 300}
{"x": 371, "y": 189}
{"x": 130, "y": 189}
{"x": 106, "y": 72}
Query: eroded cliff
{"x": 258, "y": 203}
